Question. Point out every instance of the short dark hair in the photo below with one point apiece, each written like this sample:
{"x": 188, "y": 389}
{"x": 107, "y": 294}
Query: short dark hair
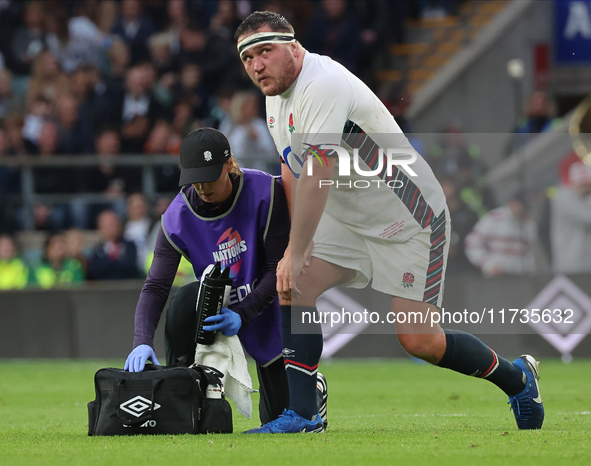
{"x": 258, "y": 19}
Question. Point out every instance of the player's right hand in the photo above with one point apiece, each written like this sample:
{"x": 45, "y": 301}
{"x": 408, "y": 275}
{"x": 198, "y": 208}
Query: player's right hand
{"x": 308, "y": 254}
{"x": 284, "y": 277}
{"x": 283, "y": 273}
{"x": 136, "y": 361}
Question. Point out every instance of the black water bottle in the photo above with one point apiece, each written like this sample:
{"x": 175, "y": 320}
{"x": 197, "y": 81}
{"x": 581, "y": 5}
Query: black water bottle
{"x": 212, "y": 290}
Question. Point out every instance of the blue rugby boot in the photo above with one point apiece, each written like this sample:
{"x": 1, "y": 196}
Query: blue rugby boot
{"x": 527, "y": 406}
{"x": 289, "y": 423}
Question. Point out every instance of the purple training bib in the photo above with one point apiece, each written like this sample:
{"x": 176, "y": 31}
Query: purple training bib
{"x": 237, "y": 240}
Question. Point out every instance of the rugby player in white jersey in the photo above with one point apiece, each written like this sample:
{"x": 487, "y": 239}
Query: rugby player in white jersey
{"x": 391, "y": 227}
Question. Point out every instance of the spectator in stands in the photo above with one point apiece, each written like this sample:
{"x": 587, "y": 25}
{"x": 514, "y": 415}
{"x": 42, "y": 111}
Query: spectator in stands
{"x": 75, "y": 41}
{"x": 28, "y": 40}
{"x": 156, "y": 10}
{"x": 178, "y": 20}
{"x": 9, "y": 18}
{"x": 215, "y": 55}
{"x": 473, "y": 188}
{"x": 79, "y": 85}
{"x": 451, "y": 151}
{"x": 538, "y": 119}
{"x": 382, "y": 24}
{"x": 119, "y": 57}
{"x": 75, "y": 133}
{"x": 16, "y": 144}
{"x": 135, "y": 29}
{"x": 9, "y": 101}
{"x": 336, "y": 32}
{"x": 137, "y": 226}
{"x": 9, "y": 176}
{"x": 89, "y": 89}
{"x": 10, "y": 183}
{"x": 138, "y": 108}
{"x": 163, "y": 140}
{"x": 397, "y": 101}
{"x": 463, "y": 219}
{"x": 190, "y": 90}
{"x": 109, "y": 179}
{"x": 76, "y": 247}
{"x": 106, "y": 15}
{"x": 115, "y": 258}
{"x": 106, "y": 91}
{"x": 158, "y": 210}
{"x": 52, "y": 180}
{"x": 503, "y": 242}
{"x": 184, "y": 121}
{"x": 14, "y": 274}
{"x": 225, "y": 21}
{"x": 47, "y": 80}
{"x": 39, "y": 111}
{"x": 299, "y": 12}
{"x": 571, "y": 222}
{"x": 42, "y": 218}
{"x": 247, "y": 132}
{"x": 56, "y": 268}
{"x": 164, "y": 62}
{"x": 220, "y": 111}
{"x": 538, "y": 114}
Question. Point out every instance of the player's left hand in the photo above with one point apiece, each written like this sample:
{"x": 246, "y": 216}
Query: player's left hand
{"x": 228, "y": 322}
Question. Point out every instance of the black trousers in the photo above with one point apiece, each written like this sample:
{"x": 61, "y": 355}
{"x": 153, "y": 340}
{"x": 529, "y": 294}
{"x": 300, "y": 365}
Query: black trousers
{"x": 179, "y": 341}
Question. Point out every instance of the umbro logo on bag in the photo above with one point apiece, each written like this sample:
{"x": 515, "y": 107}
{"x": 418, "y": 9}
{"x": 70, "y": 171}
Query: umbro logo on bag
{"x": 138, "y": 405}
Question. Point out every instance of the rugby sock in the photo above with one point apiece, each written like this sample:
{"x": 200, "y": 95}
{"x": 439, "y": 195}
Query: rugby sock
{"x": 468, "y": 355}
{"x": 301, "y": 353}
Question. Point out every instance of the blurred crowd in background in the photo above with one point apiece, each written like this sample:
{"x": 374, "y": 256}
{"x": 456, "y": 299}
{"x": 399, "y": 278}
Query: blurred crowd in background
{"x": 108, "y": 78}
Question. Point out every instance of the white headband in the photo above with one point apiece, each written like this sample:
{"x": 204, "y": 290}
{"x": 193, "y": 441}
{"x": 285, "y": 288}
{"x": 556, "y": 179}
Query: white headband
{"x": 265, "y": 38}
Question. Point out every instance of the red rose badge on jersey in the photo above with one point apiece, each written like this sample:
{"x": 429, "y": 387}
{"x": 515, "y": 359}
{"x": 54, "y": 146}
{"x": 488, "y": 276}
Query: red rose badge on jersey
{"x": 407, "y": 280}
{"x": 291, "y": 126}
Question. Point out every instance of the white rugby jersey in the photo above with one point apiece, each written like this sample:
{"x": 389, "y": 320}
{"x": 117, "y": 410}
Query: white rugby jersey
{"x": 327, "y": 103}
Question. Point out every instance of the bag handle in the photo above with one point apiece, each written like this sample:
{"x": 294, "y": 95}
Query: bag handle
{"x": 144, "y": 417}
{"x": 211, "y": 374}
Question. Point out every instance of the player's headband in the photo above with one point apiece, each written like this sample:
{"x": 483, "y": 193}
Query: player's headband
{"x": 265, "y": 38}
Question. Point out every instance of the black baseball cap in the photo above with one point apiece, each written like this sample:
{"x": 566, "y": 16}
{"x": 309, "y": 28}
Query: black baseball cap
{"x": 204, "y": 152}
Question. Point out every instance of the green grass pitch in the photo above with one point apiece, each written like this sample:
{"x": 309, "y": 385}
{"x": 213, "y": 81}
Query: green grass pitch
{"x": 380, "y": 412}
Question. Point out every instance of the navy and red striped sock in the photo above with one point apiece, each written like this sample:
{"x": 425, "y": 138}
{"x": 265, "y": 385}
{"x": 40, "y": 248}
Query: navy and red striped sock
{"x": 468, "y": 355}
{"x": 301, "y": 353}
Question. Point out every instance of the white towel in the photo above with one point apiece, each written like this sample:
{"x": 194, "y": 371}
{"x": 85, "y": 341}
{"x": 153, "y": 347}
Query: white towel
{"x": 227, "y": 356}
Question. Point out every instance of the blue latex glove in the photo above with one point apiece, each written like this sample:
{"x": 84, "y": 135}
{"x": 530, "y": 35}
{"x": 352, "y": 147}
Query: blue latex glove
{"x": 136, "y": 361}
{"x": 229, "y": 322}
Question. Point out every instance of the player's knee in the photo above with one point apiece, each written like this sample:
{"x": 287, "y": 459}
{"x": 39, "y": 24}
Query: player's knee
{"x": 418, "y": 345}
{"x": 309, "y": 293}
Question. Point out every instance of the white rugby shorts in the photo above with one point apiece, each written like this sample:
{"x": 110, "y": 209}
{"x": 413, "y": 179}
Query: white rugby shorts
{"x": 413, "y": 269}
